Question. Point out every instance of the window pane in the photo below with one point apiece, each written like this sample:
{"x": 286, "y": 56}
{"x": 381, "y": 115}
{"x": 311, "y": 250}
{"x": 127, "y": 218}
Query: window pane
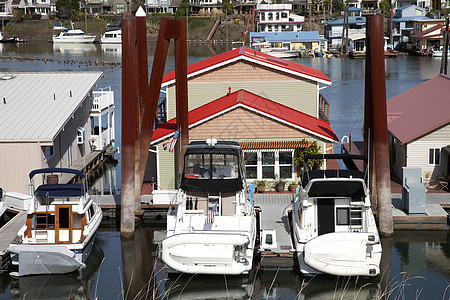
{"x": 251, "y": 172}
{"x": 224, "y": 166}
{"x": 251, "y": 158}
{"x": 285, "y": 157}
{"x": 342, "y": 216}
{"x": 286, "y": 172}
{"x": 268, "y": 158}
{"x": 437, "y": 156}
{"x": 268, "y": 172}
{"x": 430, "y": 156}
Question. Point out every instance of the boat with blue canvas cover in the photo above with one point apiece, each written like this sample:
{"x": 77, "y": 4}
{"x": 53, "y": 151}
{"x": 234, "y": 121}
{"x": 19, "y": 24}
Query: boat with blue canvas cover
{"x": 62, "y": 221}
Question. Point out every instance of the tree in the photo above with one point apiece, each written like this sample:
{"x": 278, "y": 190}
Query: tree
{"x": 66, "y": 8}
{"x": 338, "y": 6}
{"x": 183, "y": 9}
{"x": 313, "y": 148}
{"x": 385, "y": 7}
{"x": 227, "y": 7}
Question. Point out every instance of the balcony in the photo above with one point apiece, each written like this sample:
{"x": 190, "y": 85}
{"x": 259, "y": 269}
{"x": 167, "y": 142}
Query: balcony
{"x": 102, "y": 100}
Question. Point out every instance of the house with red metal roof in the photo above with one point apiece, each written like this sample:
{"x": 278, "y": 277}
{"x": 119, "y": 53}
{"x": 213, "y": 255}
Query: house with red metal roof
{"x": 419, "y": 128}
{"x": 283, "y": 81}
{"x": 271, "y": 106}
{"x": 269, "y": 132}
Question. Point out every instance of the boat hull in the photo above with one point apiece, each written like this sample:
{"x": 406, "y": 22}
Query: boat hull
{"x": 283, "y": 54}
{"x": 74, "y": 40}
{"x": 341, "y": 254}
{"x": 208, "y": 253}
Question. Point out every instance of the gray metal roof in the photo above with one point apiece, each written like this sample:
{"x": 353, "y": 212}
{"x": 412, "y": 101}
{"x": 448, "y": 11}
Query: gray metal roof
{"x": 39, "y": 104}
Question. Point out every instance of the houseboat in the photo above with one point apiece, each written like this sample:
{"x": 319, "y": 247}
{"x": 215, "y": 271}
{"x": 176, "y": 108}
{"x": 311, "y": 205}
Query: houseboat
{"x": 213, "y": 227}
{"x": 62, "y": 221}
{"x": 334, "y": 230}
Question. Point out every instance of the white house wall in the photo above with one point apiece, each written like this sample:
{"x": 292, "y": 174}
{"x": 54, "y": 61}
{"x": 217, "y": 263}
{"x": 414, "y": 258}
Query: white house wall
{"x": 418, "y": 152}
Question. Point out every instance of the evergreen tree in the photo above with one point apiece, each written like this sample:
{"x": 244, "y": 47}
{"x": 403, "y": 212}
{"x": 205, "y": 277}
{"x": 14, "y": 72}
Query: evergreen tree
{"x": 66, "y": 8}
{"x": 183, "y": 9}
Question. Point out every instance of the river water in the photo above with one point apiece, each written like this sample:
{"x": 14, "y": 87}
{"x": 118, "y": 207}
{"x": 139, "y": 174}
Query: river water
{"x": 414, "y": 265}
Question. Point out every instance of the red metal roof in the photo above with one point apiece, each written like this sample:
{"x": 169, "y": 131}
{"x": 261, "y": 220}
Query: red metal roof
{"x": 420, "y": 110}
{"x": 255, "y": 103}
{"x": 254, "y": 56}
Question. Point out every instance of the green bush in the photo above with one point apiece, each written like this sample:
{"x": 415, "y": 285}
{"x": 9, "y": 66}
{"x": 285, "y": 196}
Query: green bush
{"x": 313, "y": 148}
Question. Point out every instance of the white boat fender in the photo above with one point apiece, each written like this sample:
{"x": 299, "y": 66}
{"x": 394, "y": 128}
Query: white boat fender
{"x": 372, "y": 239}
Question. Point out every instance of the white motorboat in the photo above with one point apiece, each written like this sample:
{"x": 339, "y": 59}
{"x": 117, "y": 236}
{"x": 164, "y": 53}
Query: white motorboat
{"x": 280, "y": 52}
{"x": 60, "y": 229}
{"x": 439, "y": 53}
{"x": 212, "y": 229}
{"x": 334, "y": 230}
{"x": 73, "y": 36}
{"x": 112, "y": 37}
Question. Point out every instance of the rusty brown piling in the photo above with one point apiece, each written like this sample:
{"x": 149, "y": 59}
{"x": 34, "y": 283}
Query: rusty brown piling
{"x": 129, "y": 100}
{"x": 169, "y": 29}
{"x": 377, "y": 116}
{"x": 142, "y": 81}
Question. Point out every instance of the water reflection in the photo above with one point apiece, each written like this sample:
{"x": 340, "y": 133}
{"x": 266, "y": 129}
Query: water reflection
{"x": 111, "y": 50}
{"x": 74, "y": 49}
{"x": 208, "y": 287}
{"x": 76, "y": 285}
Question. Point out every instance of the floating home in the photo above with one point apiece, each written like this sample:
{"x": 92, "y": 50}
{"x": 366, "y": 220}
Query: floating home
{"x": 51, "y": 119}
{"x": 269, "y": 105}
{"x": 424, "y": 144}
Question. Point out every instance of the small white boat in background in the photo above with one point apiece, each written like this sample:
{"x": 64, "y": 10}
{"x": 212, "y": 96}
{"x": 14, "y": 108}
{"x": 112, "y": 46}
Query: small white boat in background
{"x": 112, "y": 37}
{"x": 280, "y": 52}
{"x": 334, "y": 230}
{"x": 439, "y": 53}
{"x": 212, "y": 229}
{"x": 72, "y": 36}
{"x": 60, "y": 229}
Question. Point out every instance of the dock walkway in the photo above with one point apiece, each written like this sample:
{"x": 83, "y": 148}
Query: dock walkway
{"x": 9, "y": 231}
{"x": 274, "y": 208}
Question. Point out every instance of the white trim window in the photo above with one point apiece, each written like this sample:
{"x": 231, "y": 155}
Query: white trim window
{"x": 434, "y": 156}
{"x": 269, "y": 163}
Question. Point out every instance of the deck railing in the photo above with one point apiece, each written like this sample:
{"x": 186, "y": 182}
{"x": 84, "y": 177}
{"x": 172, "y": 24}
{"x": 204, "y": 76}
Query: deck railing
{"x": 102, "y": 100}
{"x": 324, "y": 108}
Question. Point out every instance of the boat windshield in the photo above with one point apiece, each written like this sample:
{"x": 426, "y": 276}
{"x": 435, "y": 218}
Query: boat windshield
{"x": 211, "y": 166}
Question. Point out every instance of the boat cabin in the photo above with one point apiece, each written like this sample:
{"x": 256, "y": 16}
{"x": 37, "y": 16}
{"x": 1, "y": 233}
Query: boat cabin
{"x": 60, "y": 212}
{"x": 212, "y": 176}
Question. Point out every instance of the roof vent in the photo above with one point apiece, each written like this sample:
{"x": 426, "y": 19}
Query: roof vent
{"x": 4, "y": 100}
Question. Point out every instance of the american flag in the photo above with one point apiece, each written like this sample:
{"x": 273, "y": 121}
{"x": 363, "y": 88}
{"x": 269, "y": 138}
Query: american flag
{"x": 170, "y": 145}
{"x": 211, "y": 215}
